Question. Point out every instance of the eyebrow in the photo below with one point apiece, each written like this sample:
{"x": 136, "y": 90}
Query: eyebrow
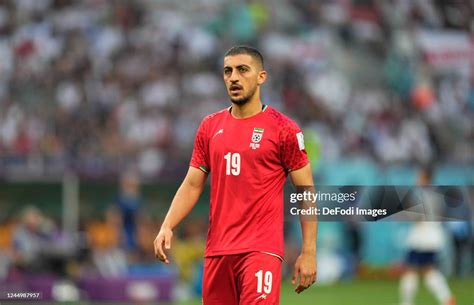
{"x": 239, "y": 66}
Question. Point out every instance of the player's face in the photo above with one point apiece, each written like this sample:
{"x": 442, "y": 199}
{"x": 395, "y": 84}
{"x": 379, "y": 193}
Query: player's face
{"x": 242, "y": 76}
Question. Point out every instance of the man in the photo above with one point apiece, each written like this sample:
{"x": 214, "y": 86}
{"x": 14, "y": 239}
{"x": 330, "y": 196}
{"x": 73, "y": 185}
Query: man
{"x": 425, "y": 240}
{"x": 249, "y": 148}
{"x": 128, "y": 202}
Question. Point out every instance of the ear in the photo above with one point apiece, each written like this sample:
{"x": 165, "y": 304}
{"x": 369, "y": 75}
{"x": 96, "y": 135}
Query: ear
{"x": 262, "y": 77}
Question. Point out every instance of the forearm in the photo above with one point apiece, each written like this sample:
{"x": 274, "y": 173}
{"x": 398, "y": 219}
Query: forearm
{"x": 306, "y": 263}
{"x": 303, "y": 181}
{"x": 309, "y": 230}
{"x": 182, "y": 204}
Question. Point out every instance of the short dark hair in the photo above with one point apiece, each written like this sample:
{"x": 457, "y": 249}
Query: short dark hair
{"x": 243, "y": 49}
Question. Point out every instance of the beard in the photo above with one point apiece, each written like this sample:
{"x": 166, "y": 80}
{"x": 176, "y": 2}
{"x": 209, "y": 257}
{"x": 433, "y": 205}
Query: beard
{"x": 244, "y": 99}
{"x": 240, "y": 101}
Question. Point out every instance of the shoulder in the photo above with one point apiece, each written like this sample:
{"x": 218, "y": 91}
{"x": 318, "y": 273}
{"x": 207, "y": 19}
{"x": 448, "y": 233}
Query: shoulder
{"x": 212, "y": 119}
{"x": 215, "y": 116}
{"x": 282, "y": 121}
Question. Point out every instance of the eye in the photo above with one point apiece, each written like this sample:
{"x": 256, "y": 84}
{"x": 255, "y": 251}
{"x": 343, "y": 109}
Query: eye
{"x": 243, "y": 69}
{"x": 227, "y": 71}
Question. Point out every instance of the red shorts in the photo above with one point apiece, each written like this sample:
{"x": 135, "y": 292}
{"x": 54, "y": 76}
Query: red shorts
{"x": 242, "y": 279}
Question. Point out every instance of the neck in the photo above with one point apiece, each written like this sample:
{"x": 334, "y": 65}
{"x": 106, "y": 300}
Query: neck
{"x": 249, "y": 109}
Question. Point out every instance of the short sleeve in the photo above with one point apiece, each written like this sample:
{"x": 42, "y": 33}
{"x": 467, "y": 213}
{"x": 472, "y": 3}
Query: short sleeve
{"x": 200, "y": 156}
{"x": 292, "y": 151}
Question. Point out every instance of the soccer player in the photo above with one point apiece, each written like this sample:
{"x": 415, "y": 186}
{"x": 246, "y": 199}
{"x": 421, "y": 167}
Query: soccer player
{"x": 248, "y": 149}
{"x": 425, "y": 240}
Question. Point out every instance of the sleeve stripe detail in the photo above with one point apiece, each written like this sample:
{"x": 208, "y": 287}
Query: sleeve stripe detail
{"x": 204, "y": 169}
{"x": 298, "y": 166}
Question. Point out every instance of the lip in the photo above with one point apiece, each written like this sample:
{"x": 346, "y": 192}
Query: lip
{"x": 235, "y": 89}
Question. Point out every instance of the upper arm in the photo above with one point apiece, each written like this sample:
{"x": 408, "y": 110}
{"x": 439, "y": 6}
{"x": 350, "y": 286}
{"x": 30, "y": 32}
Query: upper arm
{"x": 200, "y": 156}
{"x": 302, "y": 176}
{"x": 195, "y": 178}
{"x": 200, "y": 162}
{"x": 292, "y": 151}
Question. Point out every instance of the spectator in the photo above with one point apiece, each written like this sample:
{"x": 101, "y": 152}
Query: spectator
{"x": 6, "y": 245}
{"x": 29, "y": 240}
{"x": 128, "y": 202}
{"x": 104, "y": 241}
{"x": 134, "y": 69}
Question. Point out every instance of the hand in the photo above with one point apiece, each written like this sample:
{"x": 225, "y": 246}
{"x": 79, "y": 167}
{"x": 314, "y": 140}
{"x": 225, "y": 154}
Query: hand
{"x": 305, "y": 267}
{"x": 163, "y": 239}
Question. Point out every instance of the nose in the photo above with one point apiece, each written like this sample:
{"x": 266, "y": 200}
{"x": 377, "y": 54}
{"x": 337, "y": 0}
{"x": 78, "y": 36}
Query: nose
{"x": 234, "y": 77}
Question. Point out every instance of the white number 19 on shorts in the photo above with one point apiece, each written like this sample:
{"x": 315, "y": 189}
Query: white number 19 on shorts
{"x": 264, "y": 282}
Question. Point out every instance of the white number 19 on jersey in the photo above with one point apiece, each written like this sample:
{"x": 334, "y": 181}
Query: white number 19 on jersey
{"x": 232, "y": 166}
{"x": 265, "y": 282}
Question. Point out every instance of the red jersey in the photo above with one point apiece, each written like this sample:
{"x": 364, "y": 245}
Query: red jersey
{"x": 248, "y": 160}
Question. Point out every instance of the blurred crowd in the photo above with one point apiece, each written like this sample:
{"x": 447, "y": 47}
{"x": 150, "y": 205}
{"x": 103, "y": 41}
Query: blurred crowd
{"x": 112, "y": 247}
{"x": 96, "y": 86}
{"x": 116, "y": 242}
{"x": 99, "y": 87}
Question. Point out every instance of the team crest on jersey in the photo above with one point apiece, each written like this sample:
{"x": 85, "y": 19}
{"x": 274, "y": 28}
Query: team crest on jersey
{"x": 256, "y": 137}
